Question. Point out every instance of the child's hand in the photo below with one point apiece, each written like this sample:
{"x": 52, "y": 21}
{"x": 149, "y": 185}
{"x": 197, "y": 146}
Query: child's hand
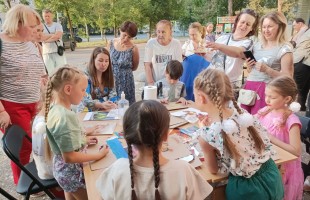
{"x": 204, "y": 120}
{"x": 92, "y": 140}
{"x": 93, "y": 129}
{"x": 108, "y": 105}
{"x": 183, "y": 101}
{"x": 103, "y": 151}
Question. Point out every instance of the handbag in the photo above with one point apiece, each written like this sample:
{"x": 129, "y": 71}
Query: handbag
{"x": 247, "y": 97}
{"x": 60, "y": 49}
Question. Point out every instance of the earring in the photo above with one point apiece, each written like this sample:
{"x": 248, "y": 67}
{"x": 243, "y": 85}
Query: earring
{"x": 285, "y": 105}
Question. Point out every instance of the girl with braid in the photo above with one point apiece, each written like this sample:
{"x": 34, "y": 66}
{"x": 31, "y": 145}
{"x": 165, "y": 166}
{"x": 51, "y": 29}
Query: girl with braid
{"x": 64, "y": 132}
{"x": 233, "y": 141}
{"x": 148, "y": 174}
{"x": 284, "y": 128}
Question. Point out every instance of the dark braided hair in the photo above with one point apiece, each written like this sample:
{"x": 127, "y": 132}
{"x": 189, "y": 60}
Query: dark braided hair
{"x": 148, "y": 128}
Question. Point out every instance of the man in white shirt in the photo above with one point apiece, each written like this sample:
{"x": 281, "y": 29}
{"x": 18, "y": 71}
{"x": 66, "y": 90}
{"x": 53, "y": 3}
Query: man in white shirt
{"x": 159, "y": 51}
{"x": 53, "y": 31}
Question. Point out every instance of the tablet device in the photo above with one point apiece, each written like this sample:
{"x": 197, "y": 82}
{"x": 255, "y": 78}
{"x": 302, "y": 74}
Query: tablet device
{"x": 248, "y": 54}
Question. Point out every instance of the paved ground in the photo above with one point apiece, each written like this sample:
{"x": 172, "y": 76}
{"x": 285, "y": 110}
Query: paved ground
{"x": 80, "y": 58}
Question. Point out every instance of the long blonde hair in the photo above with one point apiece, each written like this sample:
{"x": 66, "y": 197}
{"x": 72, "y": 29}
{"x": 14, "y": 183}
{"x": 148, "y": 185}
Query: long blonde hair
{"x": 216, "y": 85}
{"x": 64, "y": 75}
{"x": 281, "y": 21}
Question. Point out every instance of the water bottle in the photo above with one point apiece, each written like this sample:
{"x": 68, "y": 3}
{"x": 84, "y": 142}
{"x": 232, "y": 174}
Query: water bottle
{"x": 123, "y": 104}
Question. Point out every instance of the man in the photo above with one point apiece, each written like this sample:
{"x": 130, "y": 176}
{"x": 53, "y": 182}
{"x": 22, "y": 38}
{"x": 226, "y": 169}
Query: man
{"x": 301, "y": 57}
{"x": 52, "y": 35}
{"x": 299, "y": 27}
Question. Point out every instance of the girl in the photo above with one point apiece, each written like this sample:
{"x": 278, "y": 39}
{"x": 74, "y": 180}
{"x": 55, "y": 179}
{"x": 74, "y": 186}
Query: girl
{"x": 149, "y": 171}
{"x": 274, "y": 58}
{"x": 233, "y": 141}
{"x": 125, "y": 59}
{"x": 64, "y": 132}
{"x": 284, "y": 128}
{"x": 100, "y": 82}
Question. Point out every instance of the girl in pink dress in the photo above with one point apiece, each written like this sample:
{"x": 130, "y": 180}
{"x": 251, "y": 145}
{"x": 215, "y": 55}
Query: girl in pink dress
{"x": 284, "y": 128}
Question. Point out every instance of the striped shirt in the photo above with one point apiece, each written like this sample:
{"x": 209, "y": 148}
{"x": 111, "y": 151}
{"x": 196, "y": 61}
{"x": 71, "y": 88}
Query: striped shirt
{"x": 20, "y": 72}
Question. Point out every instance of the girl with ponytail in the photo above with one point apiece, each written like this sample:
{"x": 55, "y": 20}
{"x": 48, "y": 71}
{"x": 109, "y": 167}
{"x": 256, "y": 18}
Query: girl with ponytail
{"x": 234, "y": 142}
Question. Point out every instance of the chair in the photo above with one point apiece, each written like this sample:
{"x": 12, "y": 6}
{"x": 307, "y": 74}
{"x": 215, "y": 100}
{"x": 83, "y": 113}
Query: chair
{"x": 7, "y": 195}
{"x": 305, "y": 138}
{"x": 29, "y": 181}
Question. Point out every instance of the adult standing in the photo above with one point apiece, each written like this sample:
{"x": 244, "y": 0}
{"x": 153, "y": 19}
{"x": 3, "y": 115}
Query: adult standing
{"x": 274, "y": 58}
{"x": 210, "y": 37}
{"x": 300, "y": 28}
{"x": 20, "y": 74}
{"x": 194, "y": 62}
{"x": 53, "y": 31}
{"x": 125, "y": 59}
{"x": 159, "y": 51}
{"x": 301, "y": 55}
{"x": 229, "y": 55}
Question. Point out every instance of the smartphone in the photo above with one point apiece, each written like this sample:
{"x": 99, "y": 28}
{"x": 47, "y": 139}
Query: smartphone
{"x": 248, "y": 54}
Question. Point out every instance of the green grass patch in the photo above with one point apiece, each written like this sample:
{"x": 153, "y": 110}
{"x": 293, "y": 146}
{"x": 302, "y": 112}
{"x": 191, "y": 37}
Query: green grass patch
{"x": 103, "y": 43}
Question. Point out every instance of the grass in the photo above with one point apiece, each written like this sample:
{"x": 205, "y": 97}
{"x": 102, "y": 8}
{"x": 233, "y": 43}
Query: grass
{"x": 103, "y": 43}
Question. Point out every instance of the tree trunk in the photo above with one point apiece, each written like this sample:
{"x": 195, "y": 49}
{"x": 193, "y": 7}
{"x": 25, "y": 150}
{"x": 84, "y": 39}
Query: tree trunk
{"x": 280, "y": 3}
{"x": 69, "y": 20}
{"x": 230, "y": 6}
{"x": 86, "y": 31}
{"x": 150, "y": 29}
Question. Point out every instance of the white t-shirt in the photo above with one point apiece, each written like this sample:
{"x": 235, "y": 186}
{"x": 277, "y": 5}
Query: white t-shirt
{"x": 51, "y": 47}
{"x": 233, "y": 66}
{"x": 178, "y": 180}
{"x": 160, "y": 55}
{"x": 44, "y": 167}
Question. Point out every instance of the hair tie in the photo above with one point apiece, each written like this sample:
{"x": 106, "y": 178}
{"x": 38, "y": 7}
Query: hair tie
{"x": 246, "y": 119}
{"x": 295, "y": 106}
{"x": 229, "y": 126}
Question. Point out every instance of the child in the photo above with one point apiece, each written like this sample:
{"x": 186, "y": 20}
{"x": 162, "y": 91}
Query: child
{"x": 64, "y": 132}
{"x": 233, "y": 141}
{"x": 284, "y": 128}
{"x": 100, "y": 89}
{"x": 173, "y": 90}
{"x": 149, "y": 175}
{"x": 39, "y": 141}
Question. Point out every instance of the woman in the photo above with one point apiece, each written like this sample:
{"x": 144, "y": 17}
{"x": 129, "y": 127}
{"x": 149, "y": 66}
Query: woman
{"x": 20, "y": 74}
{"x": 194, "y": 51}
{"x": 159, "y": 51}
{"x": 230, "y": 47}
{"x": 125, "y": 59}
{"x": 210, "y": 37}
{"x": 100, "y": 88}
{"x": 274, "y": 58}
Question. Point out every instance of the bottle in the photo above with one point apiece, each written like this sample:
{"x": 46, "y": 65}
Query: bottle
{"x": 123, "y": 104}
{"x": 160, "y": 90}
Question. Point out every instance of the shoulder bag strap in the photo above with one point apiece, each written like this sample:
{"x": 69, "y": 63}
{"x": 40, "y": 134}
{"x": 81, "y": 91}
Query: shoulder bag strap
{"x": 50, "y": 33}
{"x": 225, "y": 54}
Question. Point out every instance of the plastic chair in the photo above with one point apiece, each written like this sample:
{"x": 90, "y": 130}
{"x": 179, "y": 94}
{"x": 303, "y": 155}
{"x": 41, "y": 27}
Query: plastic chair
{"x": 29, "y": 181}
{"x": 305, "y": 138}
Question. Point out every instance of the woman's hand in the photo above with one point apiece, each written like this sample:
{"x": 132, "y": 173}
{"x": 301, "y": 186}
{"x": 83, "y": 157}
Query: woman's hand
{"x": 249, "y": 63}
{"x": 261, "y": 67}
{"x": 5, "y": 120}
{"x": 164, "y": 100}
{"x": 108, "y": 105}
{"x": 213, "y": 46}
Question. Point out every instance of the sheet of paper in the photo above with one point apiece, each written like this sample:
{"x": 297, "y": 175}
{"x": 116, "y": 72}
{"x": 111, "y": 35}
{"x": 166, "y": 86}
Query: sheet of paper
{"x": 176, "y": 122}
{"x": 104, "y": 128}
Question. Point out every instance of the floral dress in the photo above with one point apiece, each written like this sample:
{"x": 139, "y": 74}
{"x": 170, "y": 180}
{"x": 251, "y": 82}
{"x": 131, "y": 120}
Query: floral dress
{"x": 293, "y": 175}
{"x": 250, "y": 160}
{"x": 122, "y": 71}
{"x": 107, "y": 94}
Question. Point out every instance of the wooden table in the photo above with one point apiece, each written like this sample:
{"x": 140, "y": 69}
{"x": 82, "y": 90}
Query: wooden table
{"x": 91, "y": 176}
